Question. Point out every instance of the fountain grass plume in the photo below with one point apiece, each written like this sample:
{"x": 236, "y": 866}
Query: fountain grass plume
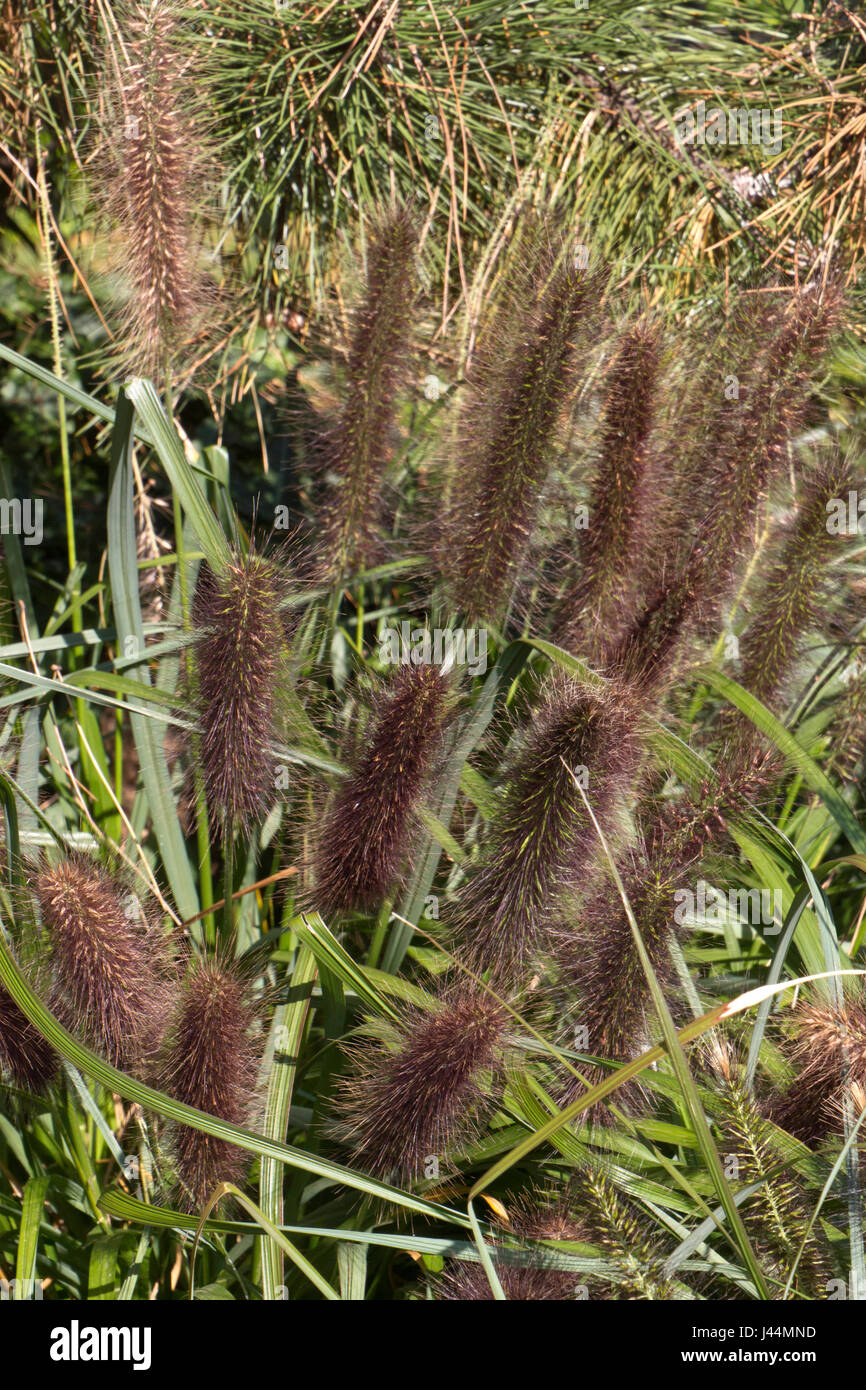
{"x": 777, "y": 1211}
{"x": 26, "y": 1058}
{"x": 827, "y": 1048}
{"x": 541, "y": 838}
{"x": 753, "y": 437}
{"x": 355, "y": 451}
{"x": 112, "y": 973}
{"x": 528, "y": 366}
{"x": 535, "y": 1217}
{"x": 603, "y": 598}
{"x": 367, "y": 832}
{"x": 152, "y": 166}
{"x": 211, "y": 1060}
{"x": 789, "y": 600}
{"x": 237, "y": 685}
{"x": 418, "y": 1090}
{"x": 600, "y": 982}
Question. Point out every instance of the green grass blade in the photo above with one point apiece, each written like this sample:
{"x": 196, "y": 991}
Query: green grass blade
{"x": 179, "y": 472}
{"x": 300, "y": 1261}
{"x": 286, "y": 1032}
{"x": 35, "y": 1190}
{"x": 91, "y": 1065}
{"x": 123, "y": 571}
{"x": 796, "y": 755}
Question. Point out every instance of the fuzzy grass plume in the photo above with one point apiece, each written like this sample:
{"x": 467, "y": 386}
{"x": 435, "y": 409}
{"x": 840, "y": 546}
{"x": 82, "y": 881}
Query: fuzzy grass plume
{"x": 541, "y": 839}
{"x": 210, "y": 1060}
{"x": 111, "y": 970}
{"x": 592, "y": 1213}
{"x": 602, "y": 599}
{"x": 828, "y": 1053}
{"x": 600, "y": 978}
{"x": 752, "y": 446}
{"x": 418, "y": 1091}
{"x": 619, "y": 1228}
{"x": 26, "y": 1058}
{"x": 367, "y": 832}
{"x": 777, "y": 1212}
{"x": 789, "y": 600}
{"x": 239, "y": 663}
{"x": 601, "y": 987}
{"x": 152, "y": 165}
{"x": 355, "y": 452}
{"x": 752, "y": 437}
{"x": 848, "y": 730}
{"x": 507, "y": 429}
{"x": 529, "y": 1220}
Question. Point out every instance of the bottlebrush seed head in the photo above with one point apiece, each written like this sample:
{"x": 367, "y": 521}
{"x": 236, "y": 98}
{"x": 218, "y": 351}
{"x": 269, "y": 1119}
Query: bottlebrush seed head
{"x": 600, "y": 984}
{"x": 594, "y": 1214}
{"x": 210, "y": 1060}
{"x": 713, "y": 386}
{"x": 507, "y": 430}
{"x": 418, "y": 1091}
{"x": 529, "y": 1220}
{"x": 25, "y": 1056}
{"x": 828, "y": 1052}
{"x": 750, "y": 447}
{"x": 753, "y": 448}
{"x": 600, "y": 977}
{"x": 788, "y": 603}
{"x": 367, "y": 833}
{"x": 630, "y": 1245}
{"x": 356, "y": 451}
{"x": 777, "y": 1212}
{"x": 595, "y": 611}
{"x": 151, "y": 166}
{"x": 848, "y": 731}
{"x": 542, "y": 839}
{"x": 679, "y": 831}
{"x": 111, "y": 968}
{"x": 240, "y": 653}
